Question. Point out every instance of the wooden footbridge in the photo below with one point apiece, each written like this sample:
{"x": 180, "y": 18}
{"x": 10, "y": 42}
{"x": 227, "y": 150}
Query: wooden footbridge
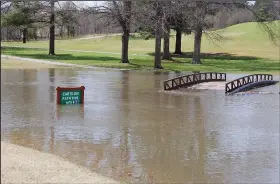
{"x": 249, "y": 82}
{"x": 192, "y": 79}
{"x": 238, "y": 85}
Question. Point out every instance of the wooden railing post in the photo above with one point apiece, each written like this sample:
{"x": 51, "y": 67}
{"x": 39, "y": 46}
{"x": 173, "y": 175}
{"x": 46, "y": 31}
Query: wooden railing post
{"x": 180, "y": 81}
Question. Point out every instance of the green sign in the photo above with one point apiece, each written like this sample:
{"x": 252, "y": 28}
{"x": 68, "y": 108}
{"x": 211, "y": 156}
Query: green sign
{"x": 70, "y": 95}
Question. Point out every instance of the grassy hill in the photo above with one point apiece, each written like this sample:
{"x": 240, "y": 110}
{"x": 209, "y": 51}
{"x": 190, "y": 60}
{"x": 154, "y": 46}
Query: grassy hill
{"x": 247, "y": 40}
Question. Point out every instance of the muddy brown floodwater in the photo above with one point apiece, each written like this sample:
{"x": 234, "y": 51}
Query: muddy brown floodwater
{"x": 129, "y": 130}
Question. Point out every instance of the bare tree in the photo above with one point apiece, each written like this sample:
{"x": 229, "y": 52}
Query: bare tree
{"x": 158, "y": 6}
{"x": 67, "y": 18}
{"x": 52, "y": 30}
{"x": 180, "y": 22}
{"x": 22, "y": 15}
{"x": 155, "y": 16}
{"x": 124, "y": 20}
{"x": 121, "y": 12}
{"x": 166, "y": 42}
{"x": 199, "y": 13}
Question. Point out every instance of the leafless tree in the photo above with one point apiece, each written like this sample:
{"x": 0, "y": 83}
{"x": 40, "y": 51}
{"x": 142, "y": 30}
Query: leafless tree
{"x": 120, "y": 12}
{"x": 166, "y": 34}
{"x": 156, "y": 16}
{"x": 180, "y": 22}
{"x": 52, "y": 29}
{"x": 23, "y": 15}
{"x": 68, "y": 18}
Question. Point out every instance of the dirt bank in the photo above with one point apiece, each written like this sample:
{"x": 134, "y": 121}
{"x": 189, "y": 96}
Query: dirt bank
{"x": 24, "y": 165}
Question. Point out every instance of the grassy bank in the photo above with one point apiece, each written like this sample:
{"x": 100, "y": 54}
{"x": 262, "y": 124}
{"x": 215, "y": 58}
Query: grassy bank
{"x": 246, "y": 48}
{"x": 211, "y": 62}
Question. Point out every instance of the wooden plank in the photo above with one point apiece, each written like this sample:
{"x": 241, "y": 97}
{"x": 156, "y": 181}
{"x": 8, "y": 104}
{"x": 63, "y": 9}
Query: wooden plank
{"x": 166, "y": 86}
{"x": 239, "y": 83}
{"x": 249, "y": 80}
{"x": 194, "y": 77}
{"x": 173, "y": 81}
{"x": 182, "y": 81}
{"x": 189, "y": 79}
{"x": 227, "y": 88}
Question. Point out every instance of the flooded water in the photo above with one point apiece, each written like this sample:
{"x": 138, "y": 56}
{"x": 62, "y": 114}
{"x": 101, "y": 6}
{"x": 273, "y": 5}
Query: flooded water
{"x": 130, "y": 130}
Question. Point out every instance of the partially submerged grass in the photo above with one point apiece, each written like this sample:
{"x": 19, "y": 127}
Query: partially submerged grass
{"x": 20, "y": 64}
{"x": 219, "y": 62}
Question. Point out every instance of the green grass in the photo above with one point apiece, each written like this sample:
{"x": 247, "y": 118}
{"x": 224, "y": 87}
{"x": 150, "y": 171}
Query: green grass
{"x": 211, "y": 62}
{"x": 245, "y": 49}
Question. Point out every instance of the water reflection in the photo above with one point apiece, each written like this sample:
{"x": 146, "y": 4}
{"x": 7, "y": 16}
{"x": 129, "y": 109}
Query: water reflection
{"x": 70, "y": 112}
{"x": 130, "y": 131}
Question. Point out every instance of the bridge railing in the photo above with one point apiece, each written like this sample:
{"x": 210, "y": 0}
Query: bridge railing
{"x": 233, "y": 85}
{"x": 192, "y": 79}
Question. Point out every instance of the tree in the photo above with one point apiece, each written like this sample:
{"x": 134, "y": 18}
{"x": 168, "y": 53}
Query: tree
{"x": 158, "y": 6}
{"x": 121, "y": 12}
{"x": 68, "y": 18}
{"x": 52, "y": 29}
{"x": 23, "y": 15}
{"x": 154, "y": 16}
{"x": 180, "y": 22}
{"x": 265, "y": 10}
{"x": 166, "y": 40}
{"x": 124, "y": 20}
{"x": 199, "y": 13}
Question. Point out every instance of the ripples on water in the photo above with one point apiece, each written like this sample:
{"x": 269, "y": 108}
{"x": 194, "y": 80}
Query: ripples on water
{"x": 130, "y": 130}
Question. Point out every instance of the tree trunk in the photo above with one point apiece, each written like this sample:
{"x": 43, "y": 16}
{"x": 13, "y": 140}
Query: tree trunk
{"x": 166, "y": 52}
{"x": 197, "y": 45}
{"x": 158, "y": 35}
{"x": 52, "y": 33}
{"x": 72, "y": 32}
{"x": 178, "y": 41}
{"x": 125, "y": 40}
{"x": 61, "y": 32}
{"x": 24, "y": 35}
{"x": 68, "y": 31}
{"x": 158, "y": 51}
{"x": 125, "y": 22}
{"x": 8, "y": 34}
{"x": 35, "y": 34}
